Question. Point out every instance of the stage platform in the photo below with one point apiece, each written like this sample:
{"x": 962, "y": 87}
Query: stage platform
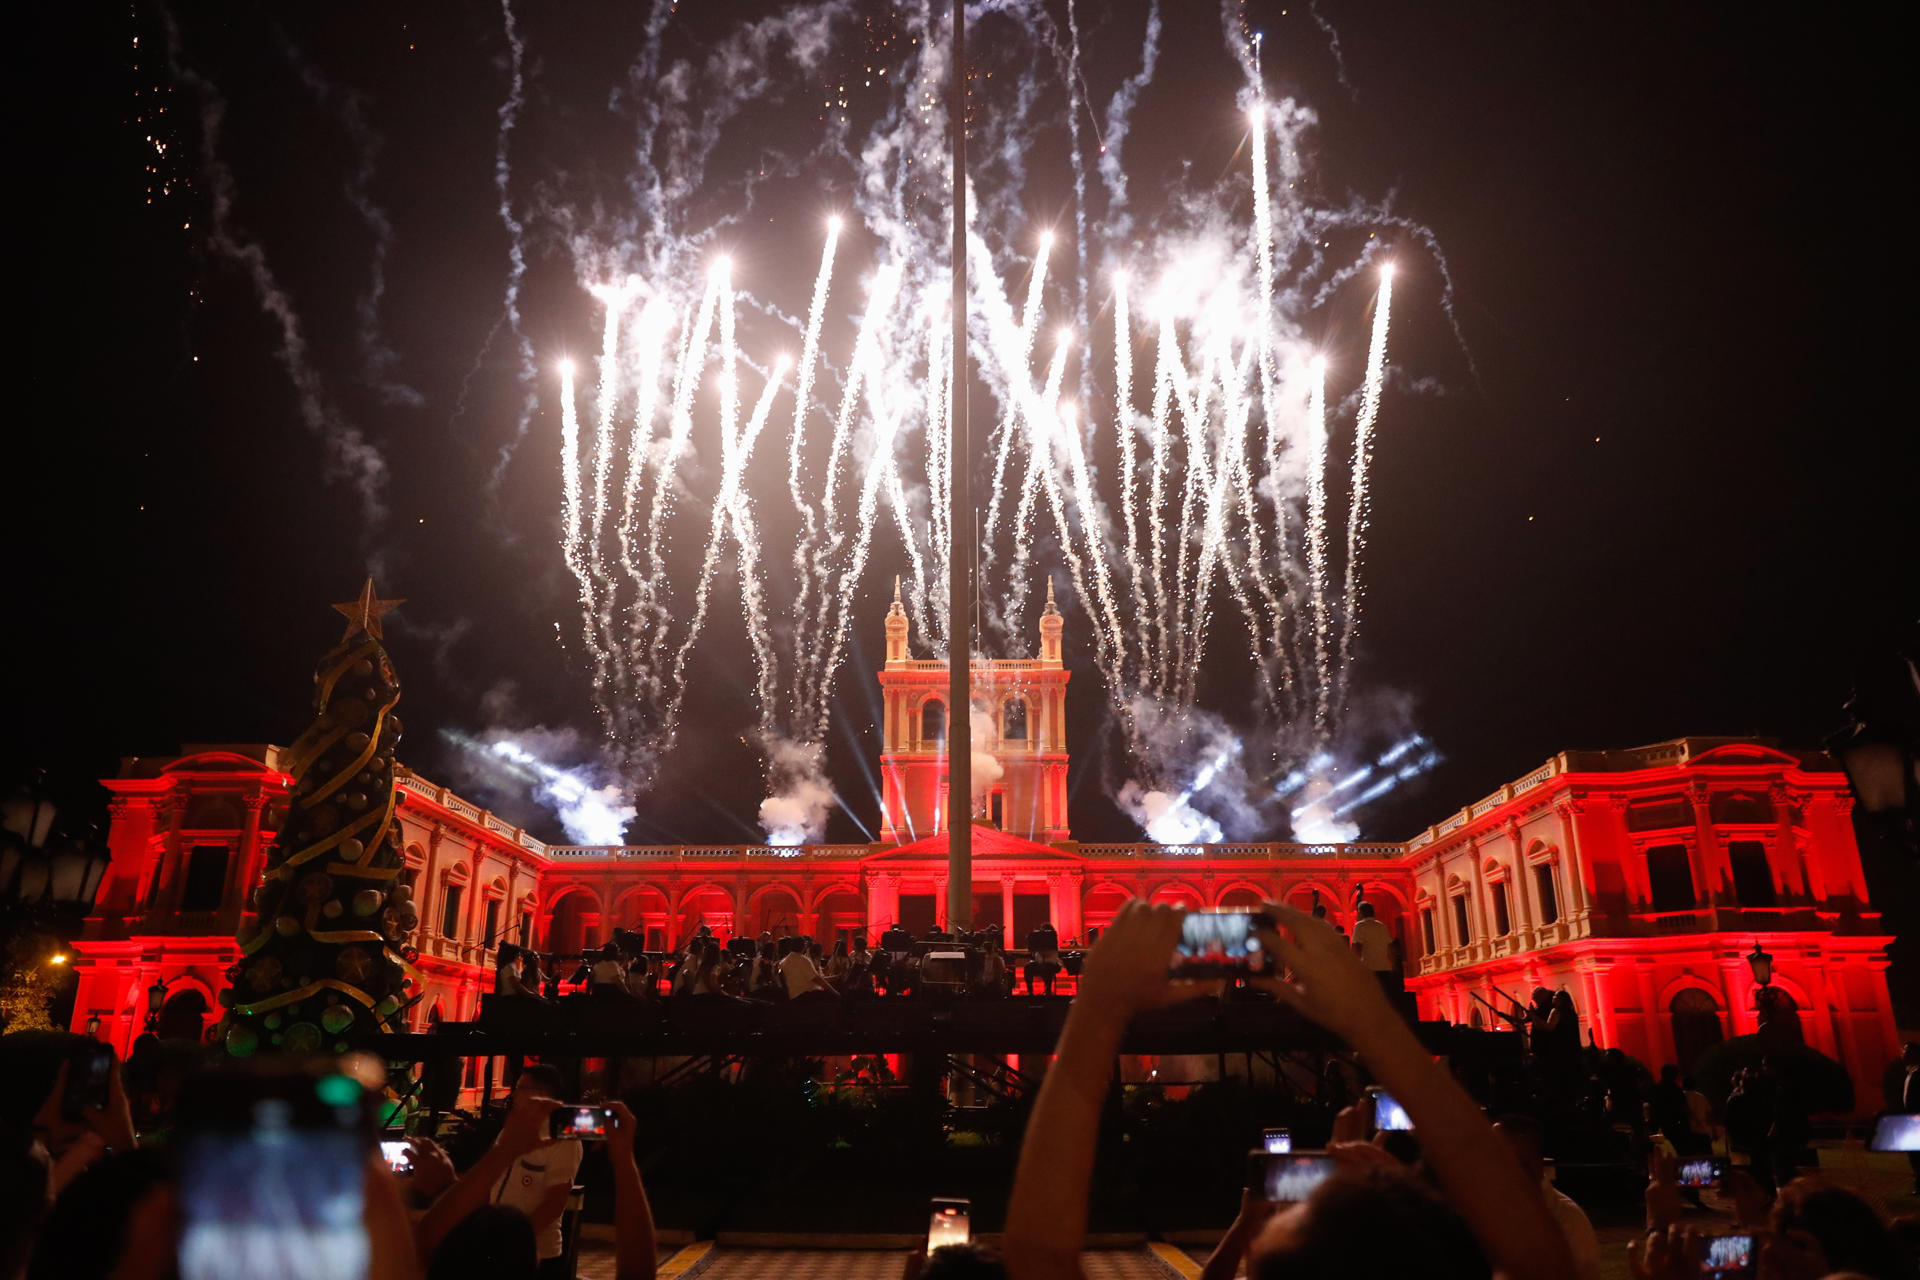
{"x": 590, "y": 1027}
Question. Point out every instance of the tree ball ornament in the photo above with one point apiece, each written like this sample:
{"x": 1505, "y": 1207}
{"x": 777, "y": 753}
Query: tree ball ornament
{"x": 367, "y": 901}
{"x": 357, "y": 742}
{"x": 356, "y": 800}
{"x": 259, "y": 896}
{"x": 402, "y": 893}
{"x": 364, "y": 667}
{"x": 409, "y": 918}
{"x": 337, "y": 1019}
{"x": 331, "y": 910}
{"x": 273, "y": 1021}
{"x": 225, "y": 998}
{"x": 302, "y": 1037}
{"x": 393, "y": 726}
{"x": 286, "y": 926}
{"x": 316, "y": 886}
{"x": 242, "y": 1040}
{"x": 352, "y": 849}
{"x": 353, "y": 965}
{"x": 387, "y": 1007}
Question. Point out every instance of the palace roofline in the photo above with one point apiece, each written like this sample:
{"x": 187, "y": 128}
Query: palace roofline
{"x": 206, "y": 761}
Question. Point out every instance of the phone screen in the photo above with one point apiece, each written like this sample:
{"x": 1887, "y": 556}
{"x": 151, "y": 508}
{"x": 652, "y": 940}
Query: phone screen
{"x": 1388, "y": 1113}
{"x": 397, "y": 1154}
{"x": 950, "y": 1223}
{"x": 1728, "y": 1257}
{"x": 89, "y": 1079}
{"x": 1702, "y": 1171}
{"x": 589, "y": 1124}
{"x": 272, "y": 1199}
{"x": 1283, "y": 1178}
{"x": 1896, "y": 1133}
{"x": 1277, "y": 1141}
{"x": 1219, "y": 943}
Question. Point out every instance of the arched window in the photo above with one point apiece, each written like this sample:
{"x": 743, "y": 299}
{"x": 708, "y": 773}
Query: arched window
{"x": 1014, "y": 721}
{"x": 933, "y": 721}
{"x": 1696, "y": 1025}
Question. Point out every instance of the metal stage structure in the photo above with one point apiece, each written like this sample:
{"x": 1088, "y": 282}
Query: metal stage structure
{"x": 590, "y": 1027}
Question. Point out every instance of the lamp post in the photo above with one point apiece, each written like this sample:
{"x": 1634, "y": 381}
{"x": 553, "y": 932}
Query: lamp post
{"x": 1761, "y": 964}
{"x": 156, "y": 1000}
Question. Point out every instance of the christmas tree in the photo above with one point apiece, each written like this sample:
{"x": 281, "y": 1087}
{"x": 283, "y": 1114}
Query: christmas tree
{"x": 325, "y": 962}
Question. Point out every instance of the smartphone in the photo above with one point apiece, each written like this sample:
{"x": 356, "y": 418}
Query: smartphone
{"x": 397, "y": 1154}
{"x": 1728, "y": 1258}
{"x": 949, "y": 1223}
{"x": 1277, "y": 1141}
{"x": 1896, "y": 1133}
{"x": 1216, "y": 944}
{"x": 1388, "y": 1113}
{"x": 589, "y": 1124}
{"x": 271, "y": 1174}
{"x": 89, "y": 1080}
{"x": 1702, "y": 1171}
{"x": 1285, "y": 1177}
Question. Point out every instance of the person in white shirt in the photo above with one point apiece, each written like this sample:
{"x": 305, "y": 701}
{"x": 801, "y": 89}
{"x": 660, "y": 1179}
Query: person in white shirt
{"x": 1373, "y": 940}
{"x": 1523, "y": 1135}
{"x": 539, "y": 1182}
{"x": 797, "y": 971}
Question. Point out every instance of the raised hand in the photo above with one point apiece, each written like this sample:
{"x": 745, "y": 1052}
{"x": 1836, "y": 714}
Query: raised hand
{"x": 1324, "y": 978}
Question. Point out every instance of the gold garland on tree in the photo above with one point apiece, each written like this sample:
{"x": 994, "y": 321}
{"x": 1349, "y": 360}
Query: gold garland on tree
{"x": 326, "y": 961}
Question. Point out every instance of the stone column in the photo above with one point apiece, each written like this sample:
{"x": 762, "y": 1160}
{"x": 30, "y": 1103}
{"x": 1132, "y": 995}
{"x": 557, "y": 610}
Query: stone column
{"x": 1006, "y": 906}
{"x": 1578, "y": 906}
{"x": 883, "y": 904}
{"x": 241, "y": 868}
{"x": 1711, "y": 870}
{"x": 130, "y": 844}
{"x": 1784, "y": 856}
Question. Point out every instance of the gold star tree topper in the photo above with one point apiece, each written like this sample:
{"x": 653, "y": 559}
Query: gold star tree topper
{"x": 364, "y": 614}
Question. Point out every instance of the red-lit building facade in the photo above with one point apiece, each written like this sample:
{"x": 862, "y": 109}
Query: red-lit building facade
{"x": 1636, "y": 880}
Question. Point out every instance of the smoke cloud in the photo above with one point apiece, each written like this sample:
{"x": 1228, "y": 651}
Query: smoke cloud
{"x": 799, "y": 795}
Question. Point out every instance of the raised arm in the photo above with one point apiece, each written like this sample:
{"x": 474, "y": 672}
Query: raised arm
{"x": 635, "y": 1248}
{"x": 1125, "y": 973}
{"x": 525, "y": 1130}
{"x": 1484, "y": 1182}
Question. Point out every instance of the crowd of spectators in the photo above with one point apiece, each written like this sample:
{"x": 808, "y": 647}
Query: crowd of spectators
{"x": 766, "y": 968}
{"x": 90, "y": 1194}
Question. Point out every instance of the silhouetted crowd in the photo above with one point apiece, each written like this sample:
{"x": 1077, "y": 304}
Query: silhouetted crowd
{"x": 297, "y": 1168}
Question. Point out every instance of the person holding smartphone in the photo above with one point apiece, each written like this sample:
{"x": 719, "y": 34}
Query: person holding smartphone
{"x": 1493, "y": 1212}
{"x": 539, "y": 1180}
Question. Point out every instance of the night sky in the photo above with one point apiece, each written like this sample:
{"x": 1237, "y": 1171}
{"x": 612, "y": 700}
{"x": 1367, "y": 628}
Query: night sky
{"x": 1654, "y": 486}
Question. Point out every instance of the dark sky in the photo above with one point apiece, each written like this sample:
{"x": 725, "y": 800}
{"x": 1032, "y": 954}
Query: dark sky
{"x": 1663, "y": 496}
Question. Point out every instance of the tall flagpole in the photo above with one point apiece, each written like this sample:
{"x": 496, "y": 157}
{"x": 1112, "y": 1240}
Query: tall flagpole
{"x": 959, "y": 555}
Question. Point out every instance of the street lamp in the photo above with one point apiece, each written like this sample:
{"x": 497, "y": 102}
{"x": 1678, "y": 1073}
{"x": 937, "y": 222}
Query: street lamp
{"x": 37, "y": 867}
{"x": 93, "y": 1026}
{"x": 156, "y": 999}
{"x": 1762, "y": 965}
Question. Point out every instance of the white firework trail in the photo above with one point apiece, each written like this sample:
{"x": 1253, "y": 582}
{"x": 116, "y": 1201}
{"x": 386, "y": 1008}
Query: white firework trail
{"x": 1127, "y": 435}
{"x": 802, "y": 404}
{"x": 1319, "y": 615}
{"x": 509, "y": 117}
{"x": 1362, "y": 463}
{"x": 814, "y": 649}
{"x": 1009, "y": 420}
{"x": 1039, "y": 420}
{"x": 693, "y": 359}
